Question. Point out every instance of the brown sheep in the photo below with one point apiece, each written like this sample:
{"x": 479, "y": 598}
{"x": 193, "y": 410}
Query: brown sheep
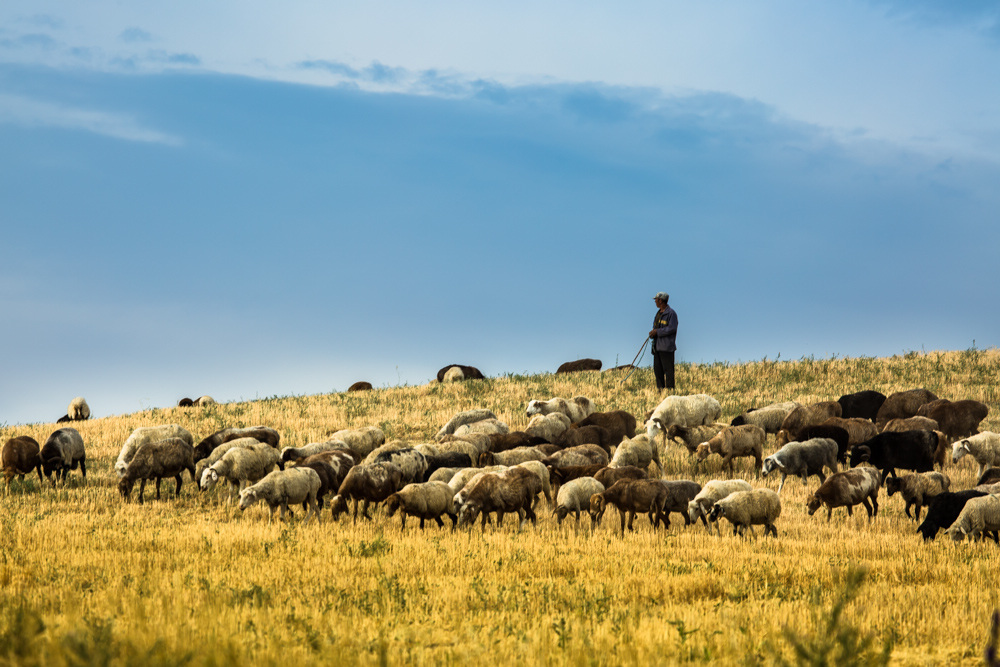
{"x": 468, "y": 372}
{"x": 501, "y": 442}
{"x": 917, "y": 489}
{"x": 957, "y": 419}
{"x": 63, "y": 451}
{"x": 693, "y": 436}
{"x": 424, "y": 501}
{"x": 680, "y": 492}
{"x": 587, "y": 435}
{"x": 360, "y": 386}
{"x": 630, "y": 496}
{"x": 509, "y": 491}
{"x": 559, "y": 475}
{"x": 367, "y": 482}
{"x": 619, "y": 423}
{"x": 858, "y": 429}
{"x": 806, "y": 415}
{"x": 909, "y": 424}
{"x": 580, "y": 365}
{"x": 847, "y": 489}
{"x": 608, "y": 476}
{"x": 20, "y": 456}
{"x": 735, "y": 442}
{"x": 156, "y": 460}
{"x": 903, "y": 404}
{"x": 577, "y": 456}
{"x": 512, "y": 456}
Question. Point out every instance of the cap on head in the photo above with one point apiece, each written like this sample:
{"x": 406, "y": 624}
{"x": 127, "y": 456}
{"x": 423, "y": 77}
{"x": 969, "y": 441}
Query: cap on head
{"x": 662, "y": 296}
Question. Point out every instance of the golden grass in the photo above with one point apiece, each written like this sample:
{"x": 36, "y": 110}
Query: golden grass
{"x": 86, "y": 578}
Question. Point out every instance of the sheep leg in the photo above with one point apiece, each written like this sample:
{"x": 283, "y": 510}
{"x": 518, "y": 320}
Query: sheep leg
{"x": 850, "y": 509}
{"x": 621, "y": 514}
{"x": 782, "y": 484}
{"x": 907, "y": 510}
{"x": 177, "y": 493}
{"x": 83, "y": 469}
{"x": 142, "y": 489}
{"x": 917, "y": 511}
{"x": 868, "y": 507}
{"x": 454, "y": 521}
{"x": 829, "y": 513}
{"x": 364, "y": 510}
{"x": 440, "y": 523}
{"x": 157, "y": 483}
{"x": 421, "y": 523}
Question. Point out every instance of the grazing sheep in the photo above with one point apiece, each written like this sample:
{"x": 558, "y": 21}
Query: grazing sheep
{"x": 156, "y": 460}
{"x": 858, "y": 429}
{"x": 630, "y": 496}
{"x": 144, "y": 434}
{"x": 944, "y": 509}
{"x": 909, "y": 424}
{"x": 339, "y": 461}
{"x": 917, "y": 489}
{"x": 957, "y": 419}
{"x": 579, "y": 365}
{"x": 983, "y": 447}
{"x": 463, "y": 418}
{"x": 368, "y": 483}
{"x": 847, "y": 489}
{"x": 734, "y": 442}
{"x": 903, "y": 404}
{"x": 241, "y": 467}
{"x": 979, "y": 516}
{"x": 836, "y": 433}
{"x": 452, "y": 448}
{"x": 361, "y": 441}
{"x": 680, "y": 493}
{"x": 574, "y": 496}
{"x": 541, "y": 471}
{"x": 695, "y": 435}
{"x": 548, "y": 427}
{"x": 424, "y": 501}
{"x": 639, "y": 452}
{"x": 411, "y": 462}
{"x": 508, "y": 491}
{"x": 587, "y": 435}
{"x": 220, "y": 451}
{"x": 296, "y": 454}
{"x": 511, "y": 456}
{"x": 329, "y": 481}
{"x": 20, "y": 456}
{"x": 806, "y": 415}
{"x": 991, "y": 476}
{"x": 62, "y": 452}
{"x": 802, "y": 459}
{"x": 361, "y": 386}
{"x": 258, "y": 433}
{"x": 746, "y": 509}
{"x": 78, "y": 410}
{"x": 577, "y": 456}
{"x": 464, "y": 476}
{"x": 619, "y": 423}
{"x": 912, "y": 450}
{"x": 608, "y": 476}
{"x": 282, "y": 488}
{"x": 453, "y": 374}
{"x": 444, "y": 474}
{"x": 713, "y": 491}
{"x": 485, "y": 426}
{"x": 501, "y": 442}
{"x": 564, "y": 474}
{"x": 482, "y": 442}
{"x": 769, "y": 417}
{"x": 682, "y": 411}
{"x": 468, "y": 372}
{"x": 444, "y": 460}
{"x": 861, "y": 405}
{"x": 577, "y": 408}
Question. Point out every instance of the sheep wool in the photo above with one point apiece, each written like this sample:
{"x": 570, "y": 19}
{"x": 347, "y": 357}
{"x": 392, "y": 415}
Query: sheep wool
{"x": 574, "y": 496}
{"x": 282, "y": 488}
{"x": 144, "y": 434}
{"x": 745, "y": 509}
{"x": 978, "y": 516}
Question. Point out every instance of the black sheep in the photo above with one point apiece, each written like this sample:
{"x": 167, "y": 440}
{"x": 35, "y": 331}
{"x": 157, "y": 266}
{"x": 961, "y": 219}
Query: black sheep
{"x": 864, "y": 404}
{"x": 912, "y": 450}
{"x": 835, "y": 433}
{"x": 943, "y": 511}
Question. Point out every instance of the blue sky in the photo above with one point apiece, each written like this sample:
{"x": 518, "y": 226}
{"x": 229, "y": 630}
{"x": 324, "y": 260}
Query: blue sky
{"x": 284, "y": 200}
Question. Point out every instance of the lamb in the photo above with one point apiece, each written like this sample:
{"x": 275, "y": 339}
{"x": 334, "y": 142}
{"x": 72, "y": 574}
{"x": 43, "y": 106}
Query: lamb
{"x": 769, "y": 417}
{"x": 639, "y": 452}
{"x": 587, "y": 435}
{"x": 909, "y": 424}
{"x": 241, "y": 467}
{"x": 361, "y": 385}
{"x": 361, "y": 441}
{"x": 944, "y": 509}
{"x": 734, "y": 442}
{"x": 806, "y": 415}
{"x": 577, "y": 456}
{"x": 282, "y": 488}
{"x": 917, "y": 489}
{"x": 220, "y": 451}
{"x": 62, "y": 452}
{"x": 463, "y": 418}
{"x": 577, "y": 408}
{"x": 912, "y": 450}
{"x": 296, "y": 454}
{"x": 749, "y": 508}
{"x": 512, "y": 490}
{"x": 258, "y": 433}
{"x": 695, "y": 435}
{"x": 630, "y": 496}
{"x": 424, "y": 501}
{"x": 861, "y": 405}
{"x": 579, "y": 365}
{"x": 20, "y": 456}
{"x": 486, "y": 426}
{"x": 412, "y": 463}
{"x": 574, "y": 496}
{"x": 78, "y": 410}
{"x": 548, "y": 427}
{"x": 847, "y": 489}
{"x": 501, "y": 442}
{"x": 608, "y": 476}
{"x": 979, "y": 516}
{"x": 468, "y": 372}
{"x": 619, "y": 423}
{"x": 156, "y": 460}
{"x": 511, "y": 456}
{"x": 957, "y": 419}
{"x": 713, "y": 491}
{"x": 144, "y": 434}
{"x": 682, "y": 411}
{"x": 453, "y": 374}
{"x": 802, "y": 459}
{"x": 368, "y": 483}
{"x": 983, "y": 447}
{"x": 680, "y": 493}
{"x": 903, "y": 404}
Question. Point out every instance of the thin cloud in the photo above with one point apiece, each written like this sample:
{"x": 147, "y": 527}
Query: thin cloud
{"x": 135, "y": 35}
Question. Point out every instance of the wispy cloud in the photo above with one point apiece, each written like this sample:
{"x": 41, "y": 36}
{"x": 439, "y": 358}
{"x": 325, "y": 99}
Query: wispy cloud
{"x": 134, "y": 35}
{"x": 27, "y": 112}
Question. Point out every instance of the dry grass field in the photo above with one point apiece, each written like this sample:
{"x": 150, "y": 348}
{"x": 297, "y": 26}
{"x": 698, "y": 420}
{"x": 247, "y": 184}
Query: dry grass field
{"x": 88, "y": 579}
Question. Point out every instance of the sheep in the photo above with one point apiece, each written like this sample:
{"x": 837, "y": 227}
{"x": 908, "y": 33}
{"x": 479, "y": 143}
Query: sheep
{"x": 983, "y": 447}
{"x": 734, "y": 442}
{"x": 78, "y": 410}
{"x": 944, "y": 509}
{"x": 480, "y": 441}
{"x": 455, "y": 448}
{"x": 587, "y": 435}
{"x": 806, "y": 415}
{"x": 608, "y": 476}
{"x": 20, "y": 456}
{"x": 695, "y": 435}
{"x": 424, "y": 501}
{"x": 979, "y": 516}
{"x": 282, "y": 488}
{"x": 468, "y": 372}
{"x": 296, "y": 454}
{"x": 847, "y": 489}
{"x": 802, "y": 459}
{"x": 903, "y": 404}
{"x": 638, "y": 451}
{"x": 501, "y": 442}
{"x": 411, "y": 462}
{"x": 957, "y": 419}
{"x": 577, "y": 456}
{"x": 511, "y": 456}
{"x": 912, "y": 450}
{"x": 991, "y": 476}
{"x": 185, "y": 403}
{"x": 340, "y": 461}
{"x": 574, "y": 496}
{"x": 453, "y": 374}
{"x": 680, "y": 493}
{"x": 361, "y": 441}
{"x": 577, "y": 408}
{"x": 619, "y": 423}
{"x": 769, "y": 417}
{"x": 542, "y": 472}
{"x": 917, "y": 489}
{"x": 512, "y": 490}
{"x": 444, "y": 474}
{"x": 258, "y": 433}
{"x": 562, "y": 475}
{"x": 579, "y": 365}
{"x": 715, "y": 490}
{"x": 444, "y": 460}
{"x": 144, "y": 434}
{"x": 836, "y": 433}
{"x": 682, "y": 411}
{"x": 548, "y": 427}
{"x": 329, "y": 480}
{"x": 62, "y": 452}
{"x": 156, "y": 460}
{"x": 241, "y": 467}
{"x": 361, "y": 385}
{"x": 861, "y": 405}
{"x": 858, "y": 429}
{"x": 202, "y": 401}
{"x": 220, "y": 451}
{"x": 630, "y": 496}
{"x": 486, "y": 426}
{"x": 749, "y": 508}
{"x": 909, "y": 424}
{"x": 367, "y": 482}
{"x": 463, "y": 418}
{"x": 464, "y": 476}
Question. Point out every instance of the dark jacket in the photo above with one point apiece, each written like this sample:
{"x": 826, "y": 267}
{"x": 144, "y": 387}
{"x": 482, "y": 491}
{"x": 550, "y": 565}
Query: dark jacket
{"x": 665, "y": 324}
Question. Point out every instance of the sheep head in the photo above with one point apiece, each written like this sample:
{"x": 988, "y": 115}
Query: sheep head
{"x": 717, "y": 511}
{"x": 813, "y": 504}
{"x": 702, "y": 451}
{"x": 598, "y": 503}
{"x": 392, "y": 504}
{"x": 860, "y": 454}
{"x": 770, "y": 465}
{"x": 125, "y": 487}
{"x": 959, "y": 449}
{"x": 338, "y": 506}
{"x": 209, "y": 478}
{"x": 468, "y": 513}
{"x": 892, "y": 485}
{"x": 248, "y": 497}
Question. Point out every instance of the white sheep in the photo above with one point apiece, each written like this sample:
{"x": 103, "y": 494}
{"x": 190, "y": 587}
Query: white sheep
{"x": 462, "y": 418}
{"x": 577, "y": 408}
{"x": 734, "y": 442}
{"x": 424, "y": 501}
{"x": 682, "y": 411}
{"x": 452, "y": 447}
{"x": 240, "y": 467}
{"x": 204, "y": 400}
{"x": 78, "y": 409}
{"x": 282, "y": 488}
{"x": 802, "y": 459}
{"x": 979, "y": 515}
{"x": 295, "y": 454}
{"x": 639, "y": 451}
{"x": 411, "y": 462}
{"x": 749, "y": 508}
{"x": 463, "y": 476}
{"x": 574, "y": 496}
{"x": 713, "y": 491}
{"x": 481, "y": 441}
{"x": 486, "y": 426}
{"x": 453, "y": 374}
{"x": 983, "y": 447}
{"x": 542, "y": 471}
{"x": 361, "y": 441}
{"x": 769, "y": 417}
{"x": 219, "y": 452}
{"x": 144, "y": 434}
{"x": 548, "y": 427}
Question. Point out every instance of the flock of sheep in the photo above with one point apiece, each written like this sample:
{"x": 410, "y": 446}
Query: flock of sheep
{"x": 581, "y": 461}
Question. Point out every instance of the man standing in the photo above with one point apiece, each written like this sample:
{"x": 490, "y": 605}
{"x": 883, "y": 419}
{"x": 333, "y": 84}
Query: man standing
{"x": 664, "y": 335}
